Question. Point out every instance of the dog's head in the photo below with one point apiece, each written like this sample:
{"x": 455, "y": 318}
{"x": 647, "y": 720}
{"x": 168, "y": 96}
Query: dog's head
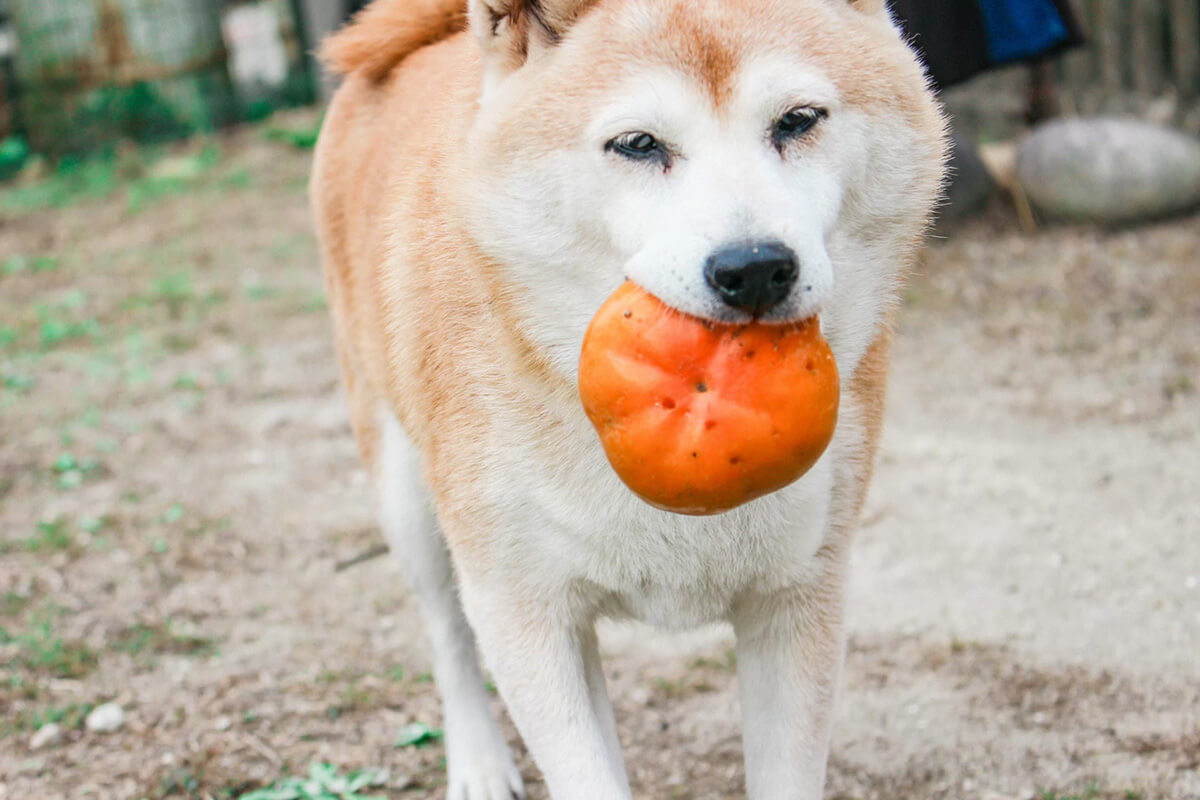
{"x": 739, "y": 159}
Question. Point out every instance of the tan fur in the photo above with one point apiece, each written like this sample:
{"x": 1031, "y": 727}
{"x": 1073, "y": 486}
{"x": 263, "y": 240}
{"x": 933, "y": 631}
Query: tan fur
{"x": 432, "y": 330}
{"x": 439, "y": 372}
{"x": 387, "y": 31}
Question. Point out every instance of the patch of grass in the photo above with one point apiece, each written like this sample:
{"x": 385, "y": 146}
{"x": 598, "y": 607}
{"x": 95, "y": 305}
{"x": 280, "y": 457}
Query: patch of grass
{"x": 13, "y": 604}
{"x": 50, "y": 536}
{"x": 71, "y": 472}
{"x": 172, "y": 176}
{"x": 14, "y": 265}
{"x": 187, "y": 382}
{"x": 17, "y": 383}
{"x": 351, "y": 699}
{"x": 159, "y": 639}
{"x": 73, "y": 180}
{"x": 41, "y": 650}
{"x": 174, "y": 290}
{"x": 62, "y": 322}
{"x": 260, "y": 292}
{"x": 302, "y": 138}
{"x": 69, "y": 718}
{"x": 1091, "y": 793}
{"x": 173, "y": 514}
{"x": 193, "y": 782}
{"x": 418, "y": 734}
{"x": 323, "y": 783}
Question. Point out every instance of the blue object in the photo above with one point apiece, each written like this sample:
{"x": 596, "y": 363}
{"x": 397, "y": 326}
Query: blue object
{"x": 1020, "y": 29}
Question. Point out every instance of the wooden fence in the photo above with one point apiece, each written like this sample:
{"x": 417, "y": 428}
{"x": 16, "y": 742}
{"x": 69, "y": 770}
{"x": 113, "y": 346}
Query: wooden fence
{"x": 1145, "y": 47}
{"x": 1142, "y": 58}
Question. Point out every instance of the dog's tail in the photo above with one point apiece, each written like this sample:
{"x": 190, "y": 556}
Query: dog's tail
{"x": 387, "y": 31}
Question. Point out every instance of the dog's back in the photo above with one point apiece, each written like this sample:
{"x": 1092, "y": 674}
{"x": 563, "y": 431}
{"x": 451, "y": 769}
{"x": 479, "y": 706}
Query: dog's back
{"x": 378, "y": 142}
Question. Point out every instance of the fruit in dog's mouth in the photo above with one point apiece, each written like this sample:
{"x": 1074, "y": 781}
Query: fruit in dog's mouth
{"x": 699, "y": 417}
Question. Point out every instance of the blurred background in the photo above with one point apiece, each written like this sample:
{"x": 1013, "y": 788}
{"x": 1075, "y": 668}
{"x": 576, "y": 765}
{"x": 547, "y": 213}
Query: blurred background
{"x": 189, "y": 606}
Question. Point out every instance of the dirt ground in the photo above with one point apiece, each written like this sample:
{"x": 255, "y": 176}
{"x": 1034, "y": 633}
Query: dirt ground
{"x": 178, "y": 483}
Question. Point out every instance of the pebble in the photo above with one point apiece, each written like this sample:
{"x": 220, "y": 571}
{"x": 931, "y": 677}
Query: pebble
{"x": 105, "y": 718}
{"x": 47, "y": 735}
{"x": 1109, "y": 171}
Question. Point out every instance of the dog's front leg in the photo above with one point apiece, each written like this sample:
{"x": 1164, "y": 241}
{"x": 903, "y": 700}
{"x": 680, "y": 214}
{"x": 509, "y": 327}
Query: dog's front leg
{"x": 541, "y": 648}
{"x": 789, "y": 648}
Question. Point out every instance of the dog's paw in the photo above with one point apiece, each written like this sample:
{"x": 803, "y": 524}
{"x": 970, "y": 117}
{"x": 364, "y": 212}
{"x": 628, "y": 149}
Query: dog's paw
{"x": 485, "y": 777}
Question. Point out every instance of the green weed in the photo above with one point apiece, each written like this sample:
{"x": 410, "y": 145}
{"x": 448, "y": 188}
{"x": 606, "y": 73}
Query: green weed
{"x": 159, "y": 639}
{"x": 13, "y": 604}
{"x": 323, "y": 783}
{"x": 418, "y": 734}
{"x": 40, "y": 650}
{"x": 70, "y": 473}
{"x": 304, "y": 138}
{"x": 61, "y": 322}
{"x": 69, "y": 717}
{"x": 174, "y": 290}
{"x": 17, "y": 383}
{"x": 14, "y": 265}
{"x": 50, "y": 536}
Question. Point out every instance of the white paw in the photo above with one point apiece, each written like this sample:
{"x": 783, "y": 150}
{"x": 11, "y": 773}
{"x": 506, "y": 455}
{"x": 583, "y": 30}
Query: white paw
{"x": 479, "y": 763}
{"x": 479, "y": 777}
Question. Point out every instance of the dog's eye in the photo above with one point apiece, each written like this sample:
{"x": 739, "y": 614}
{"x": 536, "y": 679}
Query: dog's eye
{"x": 795, "y": 123}
{"x": 639, "y": 146}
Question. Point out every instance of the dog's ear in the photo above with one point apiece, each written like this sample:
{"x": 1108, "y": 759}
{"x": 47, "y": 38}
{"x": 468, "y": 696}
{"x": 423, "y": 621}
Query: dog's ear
{"x": 508, "y": 30}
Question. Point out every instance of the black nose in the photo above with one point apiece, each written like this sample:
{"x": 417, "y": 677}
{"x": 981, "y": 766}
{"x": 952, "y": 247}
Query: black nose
{"x": 753, "y": 277}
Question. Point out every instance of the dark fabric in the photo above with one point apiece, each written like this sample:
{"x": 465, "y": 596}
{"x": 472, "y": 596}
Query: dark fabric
{"x": 958, "y": 39}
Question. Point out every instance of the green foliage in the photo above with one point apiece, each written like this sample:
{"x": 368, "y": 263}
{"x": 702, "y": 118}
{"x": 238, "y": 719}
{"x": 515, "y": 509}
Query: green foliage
{"x": 144, "y": 174}
{"x": 70, "y": 717}
{"x": 14, "y": 152}
{"x": 14, "y": 265}
{"x": 323, "y": 783}
{"x": 418, "y": 734}
{"x": 62, "y": 321}
{"x": 71, "y": 472}
{"x": 158, "y": 639}
{"x": 40, "y": 650}
{"x": 74, "y": 179}
{"x": 300, "y": 138}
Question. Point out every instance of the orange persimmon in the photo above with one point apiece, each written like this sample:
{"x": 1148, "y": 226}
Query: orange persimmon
{"x": 698, "y": 417}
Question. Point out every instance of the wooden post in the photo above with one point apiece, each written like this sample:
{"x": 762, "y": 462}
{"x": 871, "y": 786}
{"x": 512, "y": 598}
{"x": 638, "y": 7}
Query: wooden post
{"x": 1107, "y": 29}
{"x": 1185, "y": 46}
{"x": 1043, "y": 92}
{"x": 1147, "y": 46}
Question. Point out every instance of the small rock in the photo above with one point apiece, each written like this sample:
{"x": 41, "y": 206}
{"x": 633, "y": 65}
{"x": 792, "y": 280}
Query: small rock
{"x": 1109, "y": 171}
{"x": 47, "y": 735}
{"x": 105, "y": 718}
{"x": 223, "y": 723}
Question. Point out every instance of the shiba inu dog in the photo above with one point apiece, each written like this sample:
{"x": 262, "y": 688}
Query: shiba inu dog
{"x": 489, "y": 172}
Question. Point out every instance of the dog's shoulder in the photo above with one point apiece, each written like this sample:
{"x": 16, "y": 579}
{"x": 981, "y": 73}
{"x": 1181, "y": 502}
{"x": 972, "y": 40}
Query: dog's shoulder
{"x": 388, "y": 31}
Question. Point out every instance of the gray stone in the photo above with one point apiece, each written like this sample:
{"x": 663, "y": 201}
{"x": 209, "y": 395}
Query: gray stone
{"x": 47, "y": 735}
{"x": 1109, "y": 171}
{"x": 105, "y": 718}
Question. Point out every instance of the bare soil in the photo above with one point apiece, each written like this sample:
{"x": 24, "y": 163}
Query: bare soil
{"x": 1025, "y": 612}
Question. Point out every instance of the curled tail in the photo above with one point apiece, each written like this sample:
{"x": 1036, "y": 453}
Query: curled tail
{"x": 387, "y": 31}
